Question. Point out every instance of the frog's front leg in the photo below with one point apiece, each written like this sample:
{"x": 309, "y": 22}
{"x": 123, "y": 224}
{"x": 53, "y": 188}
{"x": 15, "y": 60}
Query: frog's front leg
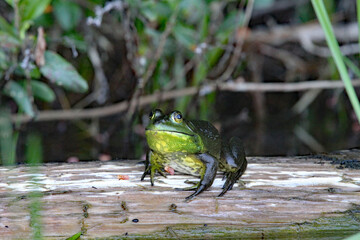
{"x": 211, "y": 166}
{"x": 234, "y": 155}
{"x": 152, "y": 165}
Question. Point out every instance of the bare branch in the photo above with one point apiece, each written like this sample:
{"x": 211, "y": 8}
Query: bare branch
{"x": 281, "y": 34}
{"x": 307, "y": 35}
{"x": 236, "y": 86}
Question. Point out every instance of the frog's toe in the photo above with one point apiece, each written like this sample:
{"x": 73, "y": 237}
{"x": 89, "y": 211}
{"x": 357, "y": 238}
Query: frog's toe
{"x": 231, "y": 179}
{"x": 186, "y": 189}
{"x": 191, "y": 188}
{"x": 191, "y": 182}
{"x": 161, "y": 173}
{"x": 144, "y": 175}
{"x": 200, "y": 189}
{"x": 227, "y": 186}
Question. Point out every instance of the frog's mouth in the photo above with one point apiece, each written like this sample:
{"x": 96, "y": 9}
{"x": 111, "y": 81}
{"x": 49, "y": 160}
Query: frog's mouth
{"x": 167, "y": 131}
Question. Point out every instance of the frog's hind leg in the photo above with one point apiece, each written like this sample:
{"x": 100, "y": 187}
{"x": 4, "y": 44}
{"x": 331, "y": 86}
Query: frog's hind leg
{"x": 235, "y": 158}
{"x": 211, "y": 166}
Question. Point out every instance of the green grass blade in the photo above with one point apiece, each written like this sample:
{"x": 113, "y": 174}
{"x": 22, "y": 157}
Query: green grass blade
{"x": 34, "y": 150}
{"x": 358, "y": 18}
{"x": 75, "y": 236}
{"x": 352, "y": 66}
{"x": 336, "y": 53}
{"x": 7, "y": 138}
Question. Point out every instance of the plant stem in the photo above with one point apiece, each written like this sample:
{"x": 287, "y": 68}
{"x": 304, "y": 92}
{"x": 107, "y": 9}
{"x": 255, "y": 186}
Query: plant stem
{"x": 358, "y": 18}
{"x": 17, "y": 16}
{"x": 336, "y": 53}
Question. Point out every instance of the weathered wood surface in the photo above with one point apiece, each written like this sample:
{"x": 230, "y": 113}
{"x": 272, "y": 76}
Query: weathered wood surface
{"x": 281, "y": 197}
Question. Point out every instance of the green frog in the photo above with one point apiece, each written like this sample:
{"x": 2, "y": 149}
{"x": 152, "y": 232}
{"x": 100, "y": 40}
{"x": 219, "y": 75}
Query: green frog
{"x": 192, "y": 147}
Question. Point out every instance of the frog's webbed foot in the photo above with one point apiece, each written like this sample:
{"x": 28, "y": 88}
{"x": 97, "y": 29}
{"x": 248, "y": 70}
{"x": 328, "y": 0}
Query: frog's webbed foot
{"x": 232, "y": 177}
{"x": 191, "y": 188}
{"x": 151, "y": 170}
{"x": 187, "y": 188}
{"x": 211, "y": 165}
{"x": 191, "y": 182}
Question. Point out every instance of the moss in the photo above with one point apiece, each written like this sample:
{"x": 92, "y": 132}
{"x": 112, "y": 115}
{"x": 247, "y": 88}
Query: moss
{"x": 337, "y": 227}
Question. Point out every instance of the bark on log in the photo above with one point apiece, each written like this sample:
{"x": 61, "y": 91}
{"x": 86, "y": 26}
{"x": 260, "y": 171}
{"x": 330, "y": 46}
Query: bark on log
{"x": 281, "y": 197}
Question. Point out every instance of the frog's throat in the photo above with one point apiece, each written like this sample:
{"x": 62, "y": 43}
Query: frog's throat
{"x": 165, "y": 141}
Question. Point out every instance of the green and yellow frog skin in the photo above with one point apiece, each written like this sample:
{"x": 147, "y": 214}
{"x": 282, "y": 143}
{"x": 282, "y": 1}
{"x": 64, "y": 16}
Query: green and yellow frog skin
{"x": 192, "y": 147}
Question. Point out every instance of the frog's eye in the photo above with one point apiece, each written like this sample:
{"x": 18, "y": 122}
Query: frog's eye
{"x": 177, "y": 117}
{"x": 155, "y": 114}
{"x": 151, "y": 115}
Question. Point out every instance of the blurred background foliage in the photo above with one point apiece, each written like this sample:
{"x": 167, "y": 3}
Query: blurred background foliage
{"x": 83, "y": 55}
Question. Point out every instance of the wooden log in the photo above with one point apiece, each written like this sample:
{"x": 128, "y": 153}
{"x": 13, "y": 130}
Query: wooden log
{"x": 279, "y": 197}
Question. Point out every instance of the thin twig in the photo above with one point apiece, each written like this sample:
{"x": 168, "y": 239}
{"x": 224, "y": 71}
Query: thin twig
{"x": 239, "y": 86}
{"x": 101, "y": 87}
{"x": 239, "y": 43}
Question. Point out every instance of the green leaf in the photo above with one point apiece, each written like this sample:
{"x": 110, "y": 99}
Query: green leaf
{"x": 31, "y": 9}
{"x": 10, "y": 2}
{"x": 67, "y": 13}
{"x": 228, "y": 26}
{"x": 20, "y": 96}
{"x": 204, "y": 27}
{"x": 75, "y": 236}
{"x": 185, "y": 35}
{"x": 213, "y": 55}
{"x": 6, "y": 27}
{"x": 200, "y": 73}
{"x": 4, "y": 61}
{"x": 149, "y": 13}
{"x": 34, "y": 72}
{"x": 62, "y": 73}
{"x": 154, "y": 11}
{"x": 40, "y": 90}
{"x": 8, "y": 41}
{"x": 193, "y": 11}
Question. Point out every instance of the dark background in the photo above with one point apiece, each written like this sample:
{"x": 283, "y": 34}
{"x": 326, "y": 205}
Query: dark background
{"x": 126, "y": 43}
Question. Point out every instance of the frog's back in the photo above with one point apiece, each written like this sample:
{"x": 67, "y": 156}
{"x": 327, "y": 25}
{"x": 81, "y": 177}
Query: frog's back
{"x": 209, "y": 135}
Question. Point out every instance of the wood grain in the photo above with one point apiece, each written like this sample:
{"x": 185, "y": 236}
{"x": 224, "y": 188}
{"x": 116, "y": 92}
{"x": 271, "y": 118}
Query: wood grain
{"x": 277, "y": 194}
